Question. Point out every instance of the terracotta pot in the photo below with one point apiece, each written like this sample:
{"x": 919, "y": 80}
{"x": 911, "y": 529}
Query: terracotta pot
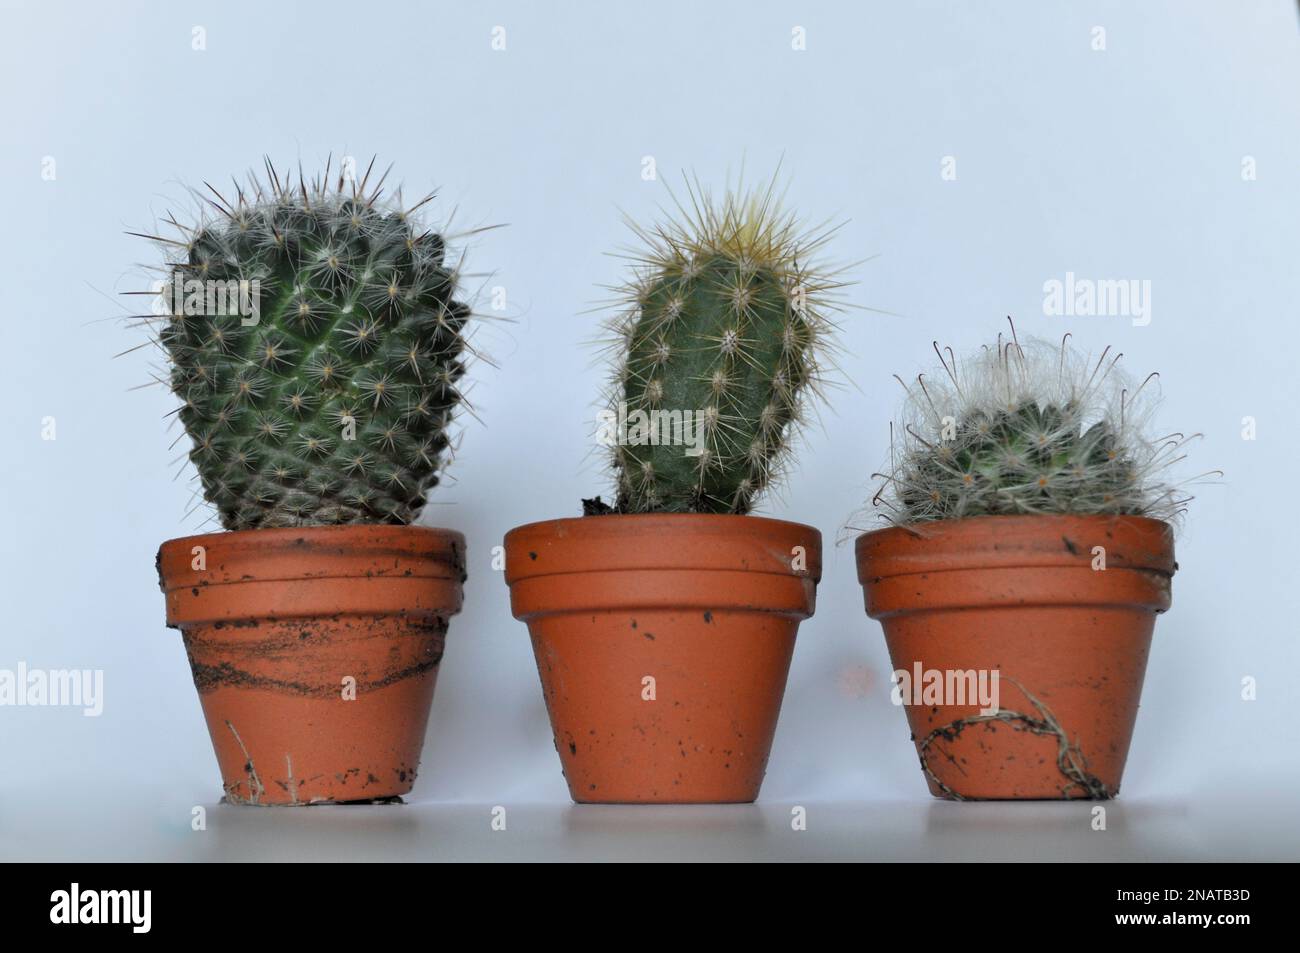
{"x": 663, "y": 642}
{"x": 1022, "y": 596}
{"x": 315, "y": 652}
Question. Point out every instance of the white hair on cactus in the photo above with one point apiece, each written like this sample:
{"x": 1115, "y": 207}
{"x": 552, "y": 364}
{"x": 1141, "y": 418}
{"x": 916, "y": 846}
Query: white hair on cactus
{"x": 1031, "y": 427}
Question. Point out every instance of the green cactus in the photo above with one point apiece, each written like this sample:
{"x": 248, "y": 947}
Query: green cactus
{"x": 325, "y": 395}
{"x": 724, "y": 331}
{"x": 1028, "y": 459}
{"x": 1029, "y": 429}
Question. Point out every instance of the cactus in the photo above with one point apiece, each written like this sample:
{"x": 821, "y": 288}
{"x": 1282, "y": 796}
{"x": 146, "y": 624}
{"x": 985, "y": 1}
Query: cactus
{"x": 1037, "y": 428}
{"x": 724, "y": 327}
{"x": 320, "y": 390}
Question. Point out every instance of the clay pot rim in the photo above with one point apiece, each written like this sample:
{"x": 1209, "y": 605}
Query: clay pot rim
{"x": 745, "y": 544}
{"x": 342, "y": 551}
{"x": 1034, "y": 540}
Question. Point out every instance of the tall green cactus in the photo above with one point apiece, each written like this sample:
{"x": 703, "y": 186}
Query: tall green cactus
{"x": 319, "y": 390}
{"x": 724, "y": 329}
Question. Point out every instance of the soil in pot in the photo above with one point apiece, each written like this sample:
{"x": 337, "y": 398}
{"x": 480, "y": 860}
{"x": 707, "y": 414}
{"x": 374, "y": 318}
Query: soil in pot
{"x": 1061, "y": 608}
{"x": 315, "y": 653}
{"x": 663, "y": 642}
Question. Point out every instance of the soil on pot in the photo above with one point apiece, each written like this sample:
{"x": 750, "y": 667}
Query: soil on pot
{"x": 1076, "y": 781}
{"x": 278, "y": 642}
{"x": 270, "y": 690}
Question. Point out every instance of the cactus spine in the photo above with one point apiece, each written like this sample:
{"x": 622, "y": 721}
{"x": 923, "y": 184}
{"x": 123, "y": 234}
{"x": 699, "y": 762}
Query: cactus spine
{"x": 1037, "y": 428}
{"x": 724, "y": 326}
{"x": 329, "y": 399}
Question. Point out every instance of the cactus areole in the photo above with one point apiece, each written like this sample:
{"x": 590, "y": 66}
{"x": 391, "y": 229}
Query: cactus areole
{"x": 315, "y": 342}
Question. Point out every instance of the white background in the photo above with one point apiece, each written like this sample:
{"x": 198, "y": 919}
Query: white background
{"x": 1122, "y": 163}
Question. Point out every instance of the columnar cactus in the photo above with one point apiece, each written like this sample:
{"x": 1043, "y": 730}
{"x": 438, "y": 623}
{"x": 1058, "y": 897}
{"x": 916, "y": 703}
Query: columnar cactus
{"x": 1036, "y": 428}
{"x": 318, "y": 381}
{"x": 723, "y": 327}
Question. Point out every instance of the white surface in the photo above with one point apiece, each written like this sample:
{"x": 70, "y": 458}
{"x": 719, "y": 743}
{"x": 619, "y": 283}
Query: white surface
{"x": 1117, "y": 164}
{"x": 918, "y": 830}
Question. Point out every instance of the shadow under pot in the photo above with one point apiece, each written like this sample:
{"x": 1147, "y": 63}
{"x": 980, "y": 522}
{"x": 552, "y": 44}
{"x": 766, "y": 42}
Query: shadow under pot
{"x": 663, "y": 642}
{"x": 1019, "y": 645}
{"x": 315, "y": 651}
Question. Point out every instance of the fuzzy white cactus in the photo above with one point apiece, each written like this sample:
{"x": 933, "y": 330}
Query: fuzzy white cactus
{"x": 1030, "y": 428}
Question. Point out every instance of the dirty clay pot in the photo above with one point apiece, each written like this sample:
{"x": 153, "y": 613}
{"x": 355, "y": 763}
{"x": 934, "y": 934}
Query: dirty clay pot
{"x": 275, "y": 620}
{"x": 705, "y": 605}
{"x": 1019, "y": 595}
